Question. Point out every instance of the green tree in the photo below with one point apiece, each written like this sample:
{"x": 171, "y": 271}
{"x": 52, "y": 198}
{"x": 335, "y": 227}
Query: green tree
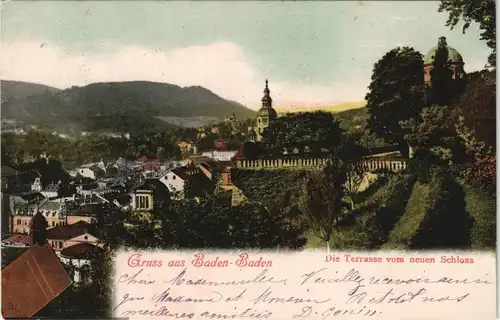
{"x": 477, "y": 106}
{"x": 321, "y": 199}
{"x": 396, "y": 92}
{"x": 352, "y": 154}
{"x": 435, "y": 130}
{"x": 482, "y": 12}
{"x": 441, "y": 79}
{"x": 317, "y": 130}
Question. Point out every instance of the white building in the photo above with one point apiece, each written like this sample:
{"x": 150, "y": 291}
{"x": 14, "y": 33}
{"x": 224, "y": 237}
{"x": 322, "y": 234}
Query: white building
{"x": 175, "y": 180}
{"x": 219, "y": 155}
{"x": 93, "y": 172}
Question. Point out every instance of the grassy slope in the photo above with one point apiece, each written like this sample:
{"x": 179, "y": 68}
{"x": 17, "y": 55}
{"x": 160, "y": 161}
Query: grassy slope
{"x": 408, "y": 226}
{"x": 362, "y": 228}
{"x": 267, "y": 185}
{"x": 482, "y": 207}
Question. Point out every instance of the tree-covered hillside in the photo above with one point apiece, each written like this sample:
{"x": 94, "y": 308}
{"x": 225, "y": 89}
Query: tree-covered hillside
{"x": 119, "y": 106}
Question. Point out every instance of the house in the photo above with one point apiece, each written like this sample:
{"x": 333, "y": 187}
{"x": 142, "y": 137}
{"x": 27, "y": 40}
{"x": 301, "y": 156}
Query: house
{"x": 92, "y": 172}
{"x": 149, "y": 194}
{"x": 43, "y": 278}
{"x": 86, "y": 192}
{"x": 80, "y": 257}
{"x": 18, "y": 240}
{"x": 16, "y": 200}
{"x": 51, "y": 190}
{"x": 226, "y": 185}
{"x": 120, "y": 200}
{"x": 176, "y": 180}
{"x": 220, "y": 155}
{"x": 63, "y": 236}
{"x": 22, "y": 215}
{"x": 54, "y": 212}
{"x": 195, "y": 179}
{"x": 87, "y": 213}
{"x": 147, "y": 163}
{"x": 196, "y": 160}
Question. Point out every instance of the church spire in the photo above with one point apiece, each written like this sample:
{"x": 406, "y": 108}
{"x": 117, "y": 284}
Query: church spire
{"x": 266, "y": 100}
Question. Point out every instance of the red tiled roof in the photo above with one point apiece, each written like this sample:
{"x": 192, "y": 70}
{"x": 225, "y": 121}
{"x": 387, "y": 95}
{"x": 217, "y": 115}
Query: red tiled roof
{"x": 146, "y": 159}
{"x": 20, "y": 238}
{"x": 69, "y": 231}
{"x": 31, "y": 282}
{"x": 80, "y": 250}
{"x": 150, "y": 165}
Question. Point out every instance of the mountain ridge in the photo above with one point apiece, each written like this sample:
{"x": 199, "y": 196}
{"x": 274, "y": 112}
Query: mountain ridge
{"x": 114, "y": 106}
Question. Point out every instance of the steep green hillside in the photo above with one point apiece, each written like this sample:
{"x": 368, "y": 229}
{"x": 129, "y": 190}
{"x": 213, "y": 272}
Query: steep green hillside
{"x": 369, "y": 225}
{"x": 481, "y": 206}
{"x": 409, "y": 224}
{"x": 268, "y": 185}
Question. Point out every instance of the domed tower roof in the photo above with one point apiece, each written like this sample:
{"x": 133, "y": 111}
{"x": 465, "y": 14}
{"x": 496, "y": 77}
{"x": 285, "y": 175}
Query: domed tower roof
{"x": 267, "y": 112}
{"x": 453, "y": 55}
{"x": 267, "y": 103}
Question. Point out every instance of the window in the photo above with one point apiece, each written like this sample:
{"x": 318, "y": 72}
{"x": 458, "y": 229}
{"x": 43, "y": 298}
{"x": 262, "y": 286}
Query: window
{"x": 53, "y": 223}
{"x": 54, "y": 214}
{"x": 173, "y": 177}
{"x": 18, "y": 221}
{"x": 147, "y": 202}
{"x": 60, "y": 244}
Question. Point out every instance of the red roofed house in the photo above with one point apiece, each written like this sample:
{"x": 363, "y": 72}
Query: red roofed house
{"x": 31, "y": 282}
{"x": 147, "y": 163}
{"x": 64, "y": 236}
{"x": 80, "y": 256}
{"x": 18, "y": 240}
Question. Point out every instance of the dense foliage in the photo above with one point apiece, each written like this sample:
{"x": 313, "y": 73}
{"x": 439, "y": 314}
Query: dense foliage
{"x": 395, "y": 92}
{"x": 322, "y": 199}
{"x": 316, "y": 130}
{"x": 482, "y": 12}
{"x": 17, "y": 149}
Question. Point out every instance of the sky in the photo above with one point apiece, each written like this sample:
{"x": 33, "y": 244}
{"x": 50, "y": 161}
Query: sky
{"x": 313, "y": 53}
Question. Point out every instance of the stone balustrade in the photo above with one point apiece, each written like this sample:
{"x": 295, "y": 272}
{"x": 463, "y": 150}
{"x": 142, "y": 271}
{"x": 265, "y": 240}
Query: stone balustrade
{"x": 370, "y": 165}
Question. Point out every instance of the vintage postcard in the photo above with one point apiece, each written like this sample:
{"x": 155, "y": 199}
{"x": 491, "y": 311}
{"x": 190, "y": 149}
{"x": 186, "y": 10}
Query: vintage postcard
{"x": 248, "y": 160}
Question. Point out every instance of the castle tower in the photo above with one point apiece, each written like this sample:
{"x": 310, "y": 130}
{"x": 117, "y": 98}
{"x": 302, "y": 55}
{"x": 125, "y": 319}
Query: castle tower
{"x": 266, "y": 114}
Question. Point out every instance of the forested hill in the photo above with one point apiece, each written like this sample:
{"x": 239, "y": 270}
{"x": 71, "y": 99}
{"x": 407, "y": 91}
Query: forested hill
{"x": 115, "y": 106}
{"x": 17, "y": 90}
